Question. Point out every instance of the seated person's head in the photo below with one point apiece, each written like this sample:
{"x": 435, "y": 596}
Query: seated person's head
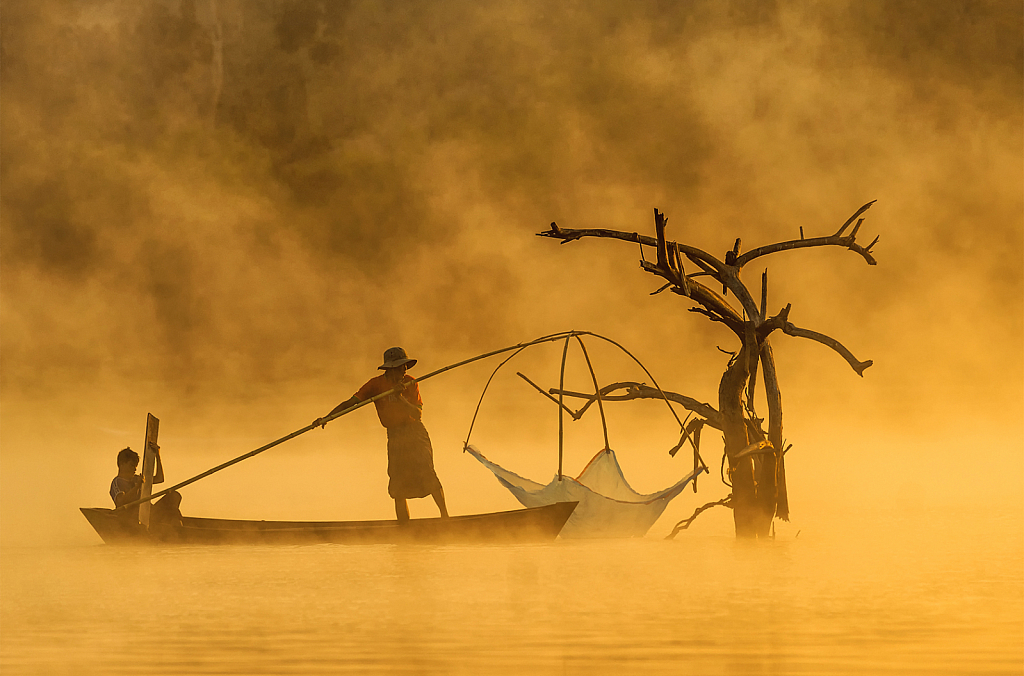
{"x": 127, "y": 459}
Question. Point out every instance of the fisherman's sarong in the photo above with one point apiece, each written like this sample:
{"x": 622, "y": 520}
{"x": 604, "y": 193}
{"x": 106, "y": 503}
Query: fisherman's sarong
{"x": 410, "y": 462}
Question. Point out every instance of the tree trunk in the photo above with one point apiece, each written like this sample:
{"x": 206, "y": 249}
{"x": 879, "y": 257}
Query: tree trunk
{"x": 749, "y": 516}
{"x": 756, "y": 463}
{"x": 773, "y": 472}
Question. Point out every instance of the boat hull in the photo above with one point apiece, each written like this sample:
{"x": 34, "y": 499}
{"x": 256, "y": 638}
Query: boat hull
{"x": 538, "y": 524}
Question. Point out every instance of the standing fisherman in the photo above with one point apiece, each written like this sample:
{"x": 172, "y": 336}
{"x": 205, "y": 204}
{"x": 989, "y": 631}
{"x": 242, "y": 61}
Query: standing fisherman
{"x": 410, "y": 455}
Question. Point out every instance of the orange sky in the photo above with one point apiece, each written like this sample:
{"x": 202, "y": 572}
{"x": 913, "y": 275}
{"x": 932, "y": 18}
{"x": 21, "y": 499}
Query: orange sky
{"x": 228, "y": 231}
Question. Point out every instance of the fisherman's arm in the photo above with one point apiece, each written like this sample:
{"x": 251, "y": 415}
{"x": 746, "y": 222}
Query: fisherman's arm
{"x": 415, "y": 410}
{"x": 130, "y": 495}
{"x": 348, "y": 403}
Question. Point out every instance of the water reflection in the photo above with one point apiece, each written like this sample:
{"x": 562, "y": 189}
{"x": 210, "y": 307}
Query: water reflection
{"x": 890, "y": 597}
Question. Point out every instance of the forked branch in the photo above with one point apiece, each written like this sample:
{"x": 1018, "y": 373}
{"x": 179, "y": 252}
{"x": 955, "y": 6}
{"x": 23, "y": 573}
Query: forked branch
{"x": 685, "y": 523}
{"x": 715, "y": 306}
{"x": 706, "y": 261}
{"x": 781, "y": 321}
{"x": 859, "y": 366}
{"x": 838, "y": 239}
{"x": 669, "y": 266}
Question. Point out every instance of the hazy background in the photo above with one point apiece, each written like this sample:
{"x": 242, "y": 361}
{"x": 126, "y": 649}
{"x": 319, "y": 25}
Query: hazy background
{"x": 222, "y": 212}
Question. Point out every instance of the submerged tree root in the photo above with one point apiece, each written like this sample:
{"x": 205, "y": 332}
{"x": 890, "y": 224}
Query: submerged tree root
{"x": 685, "y": 523}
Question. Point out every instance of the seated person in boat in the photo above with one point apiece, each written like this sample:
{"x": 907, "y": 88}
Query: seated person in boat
{"x": 410, "y": 455}
{"x": 127, "y": 487}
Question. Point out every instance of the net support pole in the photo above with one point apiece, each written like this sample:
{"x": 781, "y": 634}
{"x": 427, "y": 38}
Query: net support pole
{"x": 561, "y": 406}
{"x": 597, "y": 392}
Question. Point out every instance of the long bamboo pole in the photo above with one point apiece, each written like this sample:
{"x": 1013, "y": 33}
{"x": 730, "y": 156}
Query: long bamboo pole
{"x": 327, "y": 419}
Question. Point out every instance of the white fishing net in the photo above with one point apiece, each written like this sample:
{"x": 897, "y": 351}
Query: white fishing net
{"x": 608, "y": 505}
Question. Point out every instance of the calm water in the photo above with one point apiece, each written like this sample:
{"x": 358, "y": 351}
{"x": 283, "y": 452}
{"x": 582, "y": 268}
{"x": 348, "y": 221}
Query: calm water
{"x": 886, "y": 596}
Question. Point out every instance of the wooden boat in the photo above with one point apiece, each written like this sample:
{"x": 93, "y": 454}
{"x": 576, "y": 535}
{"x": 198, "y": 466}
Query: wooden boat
{"x": 537, "y": 524}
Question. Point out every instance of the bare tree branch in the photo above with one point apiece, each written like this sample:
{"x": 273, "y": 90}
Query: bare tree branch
{"x": 659, "y": 227}
{"x": 848, "y": 242}
{"x": 756, "y": 465}
{"x": 717, "y": 307}
{"x": 698, "y": 256}
{"x": 773, "y": 323}
{"x": 855, "y": 215}
{"x": 635, "y": 390}
{"x": 713, "y": 302}
{"x": 764, "y": 294}
{"x": 845, "y": 242}
{"x": 705, "y": 268}
{"x": 685, "y": 523}
{"x": 727, "y": 275}
{"x": 857, "y": 365}
{"x": 781, "y": 321}
{"x": 707, "y": 313}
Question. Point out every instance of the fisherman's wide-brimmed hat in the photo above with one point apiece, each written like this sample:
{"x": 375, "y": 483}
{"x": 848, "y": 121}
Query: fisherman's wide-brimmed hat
{"x": 395, "y": 357}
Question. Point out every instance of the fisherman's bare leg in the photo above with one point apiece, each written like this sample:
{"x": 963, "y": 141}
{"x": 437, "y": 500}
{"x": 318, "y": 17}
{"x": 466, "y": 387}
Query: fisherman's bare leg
{"x": 401, "y": 509}
{"x": 438, "y": 496}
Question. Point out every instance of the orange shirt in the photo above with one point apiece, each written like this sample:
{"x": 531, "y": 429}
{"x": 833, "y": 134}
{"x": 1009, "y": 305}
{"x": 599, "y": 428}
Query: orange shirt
{"x": 390, "y": 411}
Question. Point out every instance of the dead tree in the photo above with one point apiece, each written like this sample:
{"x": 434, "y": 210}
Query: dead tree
{"x": 756, "y": 456}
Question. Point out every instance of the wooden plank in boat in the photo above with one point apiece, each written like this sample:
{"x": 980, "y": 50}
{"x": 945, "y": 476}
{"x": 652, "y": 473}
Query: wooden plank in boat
{"x": 148, "y": 466}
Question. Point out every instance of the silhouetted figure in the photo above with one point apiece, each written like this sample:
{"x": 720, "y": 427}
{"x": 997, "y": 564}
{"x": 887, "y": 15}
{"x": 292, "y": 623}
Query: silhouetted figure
{"x": 410, "y": 455}
{"x": 127, "y": 487}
